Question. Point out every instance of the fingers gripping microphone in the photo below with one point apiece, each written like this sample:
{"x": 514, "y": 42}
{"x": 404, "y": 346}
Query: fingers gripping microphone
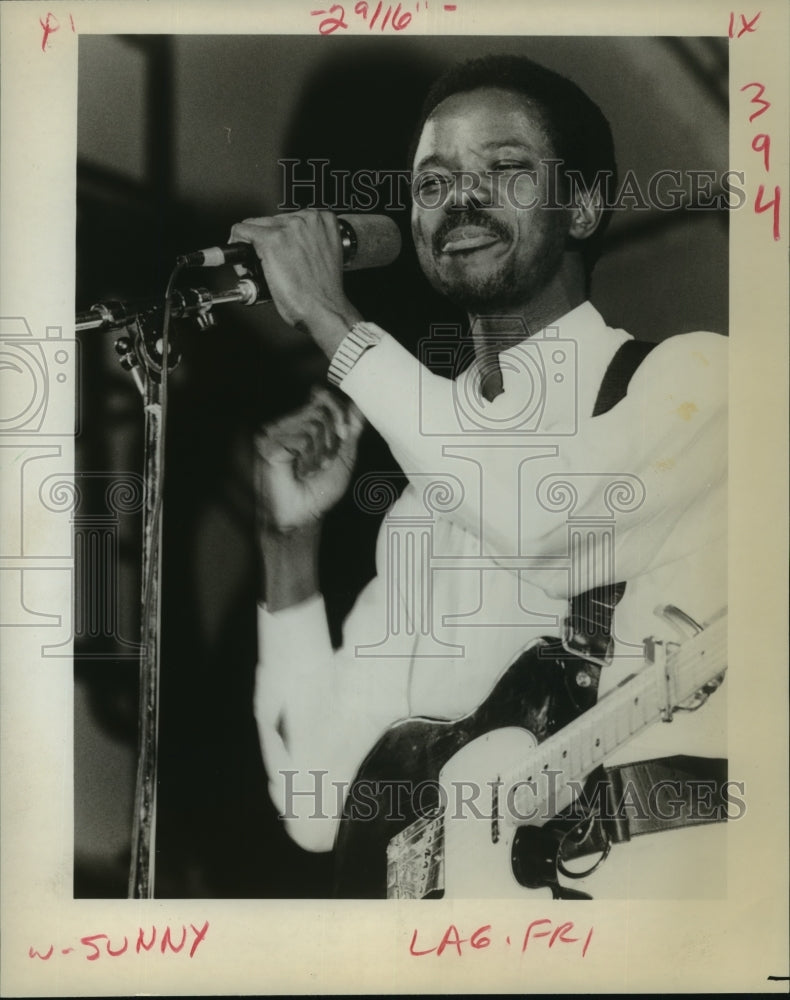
{"x": 367, "y": 241}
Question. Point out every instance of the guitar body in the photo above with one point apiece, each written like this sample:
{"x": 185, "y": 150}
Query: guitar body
{"x": 400, "y": 779}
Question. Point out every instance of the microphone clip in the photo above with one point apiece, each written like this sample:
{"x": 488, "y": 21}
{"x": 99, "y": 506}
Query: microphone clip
{"x": 252, "y": 284}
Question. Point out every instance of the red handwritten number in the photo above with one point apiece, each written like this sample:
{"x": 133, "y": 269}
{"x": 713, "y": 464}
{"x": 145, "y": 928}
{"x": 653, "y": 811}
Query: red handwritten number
{"x": 761, "y": 143}
{"x": 757, "y": 99}
{"x": 400, "y": 21}
{"x": 330, "y": 24}
{"x": 774, "y": 203}
{"x": 480, "y": 939}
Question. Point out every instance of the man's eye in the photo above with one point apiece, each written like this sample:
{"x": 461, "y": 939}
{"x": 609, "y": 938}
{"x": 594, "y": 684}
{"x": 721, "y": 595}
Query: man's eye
{"x": 430, "y": 182}
{"x": 502, "y": 165}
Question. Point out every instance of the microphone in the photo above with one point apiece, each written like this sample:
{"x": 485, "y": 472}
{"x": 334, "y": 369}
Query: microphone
{"x": 367, "y": 241}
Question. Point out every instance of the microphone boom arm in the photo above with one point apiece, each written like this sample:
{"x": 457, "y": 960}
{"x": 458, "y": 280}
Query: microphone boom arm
{"x": 184, "y": 303}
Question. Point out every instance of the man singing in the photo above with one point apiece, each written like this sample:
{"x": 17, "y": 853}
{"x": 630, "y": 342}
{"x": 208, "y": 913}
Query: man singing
{"x": 513, "y": 166}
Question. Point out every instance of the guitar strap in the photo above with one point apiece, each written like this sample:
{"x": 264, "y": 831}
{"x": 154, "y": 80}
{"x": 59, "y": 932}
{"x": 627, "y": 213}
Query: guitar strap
{"x": 614, "y": 385}
{"x": 558, "y": 679}
{"x": 589, "y": 620}
{"x": 647, "y": 796}
{"x": 622, "y": 791}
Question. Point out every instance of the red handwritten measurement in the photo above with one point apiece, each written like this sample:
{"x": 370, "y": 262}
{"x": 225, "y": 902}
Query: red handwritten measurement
{"x": 541, "y": 930}
{"x": 49, "y": 25}
{"x": 93, "y": 947}
{"x": 761, "y": 141}
{"x": 379, "y": 15}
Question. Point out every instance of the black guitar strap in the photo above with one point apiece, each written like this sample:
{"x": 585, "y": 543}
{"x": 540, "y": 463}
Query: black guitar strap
{"x": 590, "y": 614}
{"x": 614, "y": 385}
{"x": 589, "y": 626}
{"x": 647, "y": 796}
{"x": 558, "y": 680}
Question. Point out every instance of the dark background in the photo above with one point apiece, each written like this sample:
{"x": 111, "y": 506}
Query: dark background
{"x": 179, "y": 138}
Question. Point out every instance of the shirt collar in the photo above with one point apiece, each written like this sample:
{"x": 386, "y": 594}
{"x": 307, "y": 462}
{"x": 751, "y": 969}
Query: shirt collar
{"x": 582, "y": 322}
{"x": 575, "y": 349}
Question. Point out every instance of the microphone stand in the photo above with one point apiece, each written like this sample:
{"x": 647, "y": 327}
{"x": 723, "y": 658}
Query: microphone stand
{"x": 143, "y": 856}
{"x": 142, "y": 349}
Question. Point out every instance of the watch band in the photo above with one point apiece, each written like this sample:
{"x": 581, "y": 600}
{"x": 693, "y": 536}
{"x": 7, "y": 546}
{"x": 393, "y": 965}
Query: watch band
{"x": 360, "y": 338}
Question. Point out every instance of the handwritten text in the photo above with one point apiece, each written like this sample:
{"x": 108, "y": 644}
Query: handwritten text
{"x": 541, "y": 930}
{"x": 761, "y": 141}
{"x": 49, "y": 25}
{"x": 379, "y": 15}
{"x": 93, "y": 947}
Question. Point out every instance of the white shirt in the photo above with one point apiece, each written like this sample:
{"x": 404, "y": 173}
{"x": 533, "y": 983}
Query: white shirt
{"x": 473, "y": 570}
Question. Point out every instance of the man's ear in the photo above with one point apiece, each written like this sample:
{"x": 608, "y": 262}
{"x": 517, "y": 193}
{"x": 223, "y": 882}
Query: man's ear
{"x": 586, "y": 214}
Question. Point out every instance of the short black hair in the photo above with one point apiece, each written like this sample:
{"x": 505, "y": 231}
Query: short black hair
{"x": 576, "y": 127}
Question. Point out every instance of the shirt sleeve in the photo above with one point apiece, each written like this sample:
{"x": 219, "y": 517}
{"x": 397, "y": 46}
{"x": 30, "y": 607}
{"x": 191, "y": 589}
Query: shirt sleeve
{"x": 319, "y": 712}
{"x": 665, "y": 443}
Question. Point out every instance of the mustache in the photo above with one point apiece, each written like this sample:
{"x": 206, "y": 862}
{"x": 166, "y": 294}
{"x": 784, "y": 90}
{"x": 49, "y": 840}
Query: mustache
{"x": 469, "y": 217}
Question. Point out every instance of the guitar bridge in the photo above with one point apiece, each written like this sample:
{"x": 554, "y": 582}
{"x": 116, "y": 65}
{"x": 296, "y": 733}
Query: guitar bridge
{"x": 415, "y": 861}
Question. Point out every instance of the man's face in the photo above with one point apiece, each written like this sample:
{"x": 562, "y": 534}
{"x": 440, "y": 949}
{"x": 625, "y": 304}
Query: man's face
{"x": 490, "y": 252}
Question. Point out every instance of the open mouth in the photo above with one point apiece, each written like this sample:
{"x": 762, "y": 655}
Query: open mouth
{"x": 465, "y": 238}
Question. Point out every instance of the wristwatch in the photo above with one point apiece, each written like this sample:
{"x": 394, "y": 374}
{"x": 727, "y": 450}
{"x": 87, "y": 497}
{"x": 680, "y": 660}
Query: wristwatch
{"x": 360, "y": 338}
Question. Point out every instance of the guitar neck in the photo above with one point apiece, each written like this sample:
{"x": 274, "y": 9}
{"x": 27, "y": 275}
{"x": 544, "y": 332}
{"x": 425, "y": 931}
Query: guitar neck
{"x": 553, "y": 770}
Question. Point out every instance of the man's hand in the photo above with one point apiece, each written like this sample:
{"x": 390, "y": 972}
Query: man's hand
{"x": 305, "y": 462}
{"x": 302, "y": 260}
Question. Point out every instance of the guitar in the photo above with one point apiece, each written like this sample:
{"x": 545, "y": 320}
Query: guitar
{"x": 434, "y": 812}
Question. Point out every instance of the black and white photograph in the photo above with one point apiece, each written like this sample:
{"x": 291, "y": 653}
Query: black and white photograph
{"x": 395, "y": 572}
{"x": 377, "y": 507}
